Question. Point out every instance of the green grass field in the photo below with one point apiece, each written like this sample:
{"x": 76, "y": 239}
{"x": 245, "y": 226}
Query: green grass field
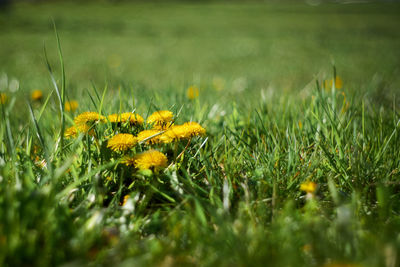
{"x": 293, "y": 169}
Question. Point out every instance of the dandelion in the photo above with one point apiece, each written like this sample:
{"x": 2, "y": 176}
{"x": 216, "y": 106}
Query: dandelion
{"x": 192, "y": 92}
{"x": 87, "y": 117}
{"x": 161, "y": 119}
{"x": 122, "y": 142}
{"x": 36, "y": 95}
{"x": 148, "y": 135}
{"x": 71, "y": 105}
{"x": 151, "y": 159}
{"x": 133, "y": 118}
{"x": 194, "y": 129}
{"x": 3, "y": 98}
{"x": 184, "y": 131}
{"x": 308, "y": 187}
{"x": 73, "y": 131}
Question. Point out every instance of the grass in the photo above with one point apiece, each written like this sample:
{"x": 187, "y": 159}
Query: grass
{"x": 233, "y": 196}
{"x": 283, "y": 46}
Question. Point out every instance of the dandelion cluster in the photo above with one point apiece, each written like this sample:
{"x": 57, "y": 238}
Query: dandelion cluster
{"x": 139, "y": 144}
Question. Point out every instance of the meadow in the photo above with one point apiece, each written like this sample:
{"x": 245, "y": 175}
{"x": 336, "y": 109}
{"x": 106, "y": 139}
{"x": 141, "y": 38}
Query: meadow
{"x": 201, "y": 134}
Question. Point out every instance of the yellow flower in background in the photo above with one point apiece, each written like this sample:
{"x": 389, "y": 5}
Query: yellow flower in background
{"x": 192, "y": 92}
{"x": 71, "y": 105}
{"x": 329, "y": 83}
{"x": 151, "y": 159}
{"x": 122, "y": 142}
{"x": 308, "y": 187}
{"x": 161, "y": 119}
{"x": 184, "y": 131}
{"x": 73, "y": 131}
{"x": 3, "y": 98}
{"x": 36, "y": 95}
{"x": 143, "y": 135}
{"x": 88, "y": 116}
{"x": 338, "y": 82}
{"x": 133, "y": 118}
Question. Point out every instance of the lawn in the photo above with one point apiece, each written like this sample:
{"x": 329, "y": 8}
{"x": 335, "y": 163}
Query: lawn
{"x": 220, "y": 134}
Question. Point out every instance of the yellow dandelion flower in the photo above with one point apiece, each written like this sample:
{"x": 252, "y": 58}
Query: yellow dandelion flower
{"x": 143, "y": 135}
{"x": 194, "y": 129}
{"x": 308, "y": 187}
{"x": 133, "y": 118}
{"x": 151, "y": 159}
{"x": 192, "y": 92}
{"x": 73, "y": 131}
{"x": 88, "y": 116}
{"x": 122, "y": 142}
{"x": 184, "y": 131}
{"x": 71, "y": 105}
{"x": 161, "y": 119}
{"x": 3, "y": 98}
{"x": 36, "y": 95}
{"x": 174, "y": 133}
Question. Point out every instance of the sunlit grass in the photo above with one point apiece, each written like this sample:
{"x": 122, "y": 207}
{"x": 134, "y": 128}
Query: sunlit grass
{"x": 291, "y": 182}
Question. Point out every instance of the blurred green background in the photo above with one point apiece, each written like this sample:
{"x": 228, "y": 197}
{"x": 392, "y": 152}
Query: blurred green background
{"x": 242, "y": 46}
